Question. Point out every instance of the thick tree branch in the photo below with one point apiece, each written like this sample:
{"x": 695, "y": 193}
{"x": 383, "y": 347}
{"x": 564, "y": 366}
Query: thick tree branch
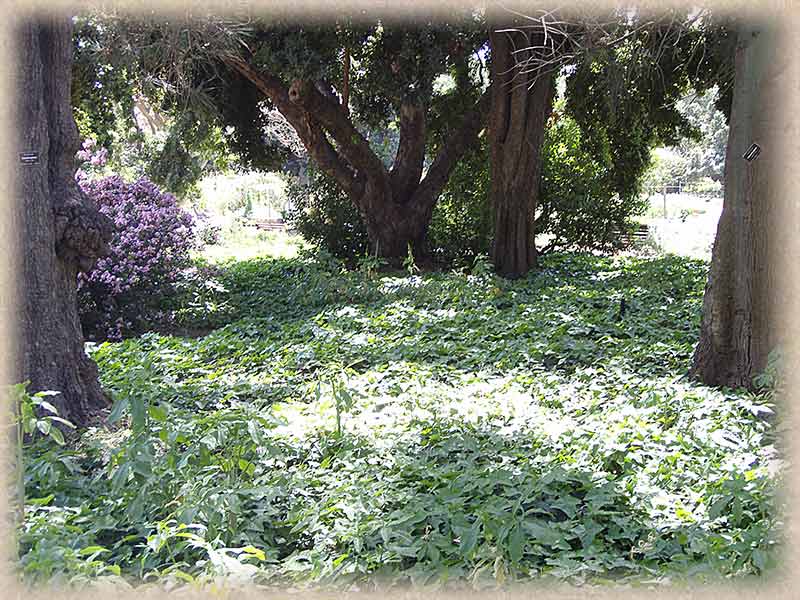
{"x": 307, "y": 128}
{"x": 407, "y": 168}
{"x": 456, "y": 146}
{"x": 353, "y": 146}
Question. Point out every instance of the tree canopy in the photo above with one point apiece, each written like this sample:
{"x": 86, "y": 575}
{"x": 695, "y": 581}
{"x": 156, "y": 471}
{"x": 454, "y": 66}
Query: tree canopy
{"x": 336, "y": 84}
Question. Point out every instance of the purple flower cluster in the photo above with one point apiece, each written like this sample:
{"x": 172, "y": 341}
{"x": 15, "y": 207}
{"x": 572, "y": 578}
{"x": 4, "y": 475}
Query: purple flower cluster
{"x": 92, "y": 159}
{"x": 151, "y": 245}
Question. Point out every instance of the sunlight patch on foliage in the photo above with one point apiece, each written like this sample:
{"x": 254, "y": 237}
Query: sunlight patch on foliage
{"x": 339, "y": 428}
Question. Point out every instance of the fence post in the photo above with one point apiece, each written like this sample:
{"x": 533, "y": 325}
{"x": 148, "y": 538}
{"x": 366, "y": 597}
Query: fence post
{"x": 664, "y": 196}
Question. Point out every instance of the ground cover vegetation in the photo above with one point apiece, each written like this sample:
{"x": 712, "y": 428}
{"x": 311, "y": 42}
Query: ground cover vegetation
{"x": 384, "y": 408}
{"x": 342, "y": 426}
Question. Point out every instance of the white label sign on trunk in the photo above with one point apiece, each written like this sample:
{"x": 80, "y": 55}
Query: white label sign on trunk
{"x": 752, "y": 153}
{"x": 29, "y": 158}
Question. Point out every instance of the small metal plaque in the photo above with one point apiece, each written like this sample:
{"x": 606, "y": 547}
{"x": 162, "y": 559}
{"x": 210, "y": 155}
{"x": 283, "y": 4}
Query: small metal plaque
{"x": 752, "y": 153}
{"x": 29, "y": 158}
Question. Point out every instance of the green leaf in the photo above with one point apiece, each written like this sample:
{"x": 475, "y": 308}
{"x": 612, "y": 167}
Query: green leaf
{"x": 716, "y": 508}
{"x": 118, "y": 410}
{"x": 469, "y": 539}
{"x": 158, "y": 413}
{"x": 543, "y": 533}
{"x": 40, "y": 501}
{"x": 57, "y": 436}
{"x": 182, "y": 575}
{"x": 760, "y": 559}
{"x": 138, "y": 408}
{"x": 120, "y": 477}
{"x": 92, "y": 550}
{"x": 516, "y": 544}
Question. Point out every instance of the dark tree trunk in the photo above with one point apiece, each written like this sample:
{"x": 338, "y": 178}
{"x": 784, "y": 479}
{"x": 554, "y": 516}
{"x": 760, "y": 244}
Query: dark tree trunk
{"x": 521, "y": 105}
{"x": 396, "y": 204}
{"x": 59, "y": 230}
{"x": 738, "y": 327}
{"x": 393, "y": 225}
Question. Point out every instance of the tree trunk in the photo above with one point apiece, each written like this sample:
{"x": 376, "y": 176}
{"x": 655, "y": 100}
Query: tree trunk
{"x": 59, "y": 230}
{"x": 521, "y": 106}
{"x": 738, "y": 327}
{"x": 393, "y": 226}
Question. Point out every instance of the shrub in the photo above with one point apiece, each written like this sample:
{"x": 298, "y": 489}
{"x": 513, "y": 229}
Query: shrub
{"x": 151, "y": 245}
{"x": 462, "y": 221}
{"x": 579, "y": 207}
{"x": 705, "y": 186}
{"x": 208, "y": 234}
{"x": 323, "y": 214}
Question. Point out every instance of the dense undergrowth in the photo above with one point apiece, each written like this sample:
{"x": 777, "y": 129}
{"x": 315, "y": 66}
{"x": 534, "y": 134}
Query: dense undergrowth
{"x": 336, "y": 427}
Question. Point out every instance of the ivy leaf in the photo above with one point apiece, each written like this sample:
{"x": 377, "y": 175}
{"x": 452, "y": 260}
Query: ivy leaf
{"x": 469, "y": 539}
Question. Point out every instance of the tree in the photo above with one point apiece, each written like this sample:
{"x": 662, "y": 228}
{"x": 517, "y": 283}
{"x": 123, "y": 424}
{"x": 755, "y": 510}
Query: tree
{"x": 237, "y": 70}
{"x": 126, "y": 115}
{"x": 705, "y": 156}
{"x": 627, "y": 70}
{"x": 59, "y": 231}
{"x": 739, "y": 326}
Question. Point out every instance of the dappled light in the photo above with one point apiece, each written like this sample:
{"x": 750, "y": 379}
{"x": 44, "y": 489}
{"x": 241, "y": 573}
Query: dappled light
{"x": 358, "y": 304}
{"x": 434, "y": 430}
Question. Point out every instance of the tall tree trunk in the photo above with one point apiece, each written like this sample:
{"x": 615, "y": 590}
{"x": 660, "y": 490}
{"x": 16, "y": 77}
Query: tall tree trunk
{"x": 738, "y": 327}
{"x": 521, "y": 105}
{"x": 59, "y": 230}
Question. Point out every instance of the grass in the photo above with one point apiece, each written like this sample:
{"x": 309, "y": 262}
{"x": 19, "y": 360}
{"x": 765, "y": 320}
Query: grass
{"x": 345, "y": 428}
{"x": 689, "y": 227}
{"x": 238, "y": 242}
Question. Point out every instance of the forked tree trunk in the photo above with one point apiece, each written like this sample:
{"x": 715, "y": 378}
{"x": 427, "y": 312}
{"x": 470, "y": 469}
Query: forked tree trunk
{"x": 396, "y": 204}
{"x": 521, "y": 105}
{"x": 738, "y": 327}
{"x": 394, "y": 226}
{"x": 59, "y": 230}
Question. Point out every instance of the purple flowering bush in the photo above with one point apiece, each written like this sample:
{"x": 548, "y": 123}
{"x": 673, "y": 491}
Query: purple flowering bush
{"x": 91, "y": 159}
{"x": 153, "y": 237}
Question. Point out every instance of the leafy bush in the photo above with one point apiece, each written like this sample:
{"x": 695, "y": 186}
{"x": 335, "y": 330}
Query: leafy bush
{"x": 150, "y": 247}
{"x": 323, "y": 214}
{"x": 579, "y": 208}
{"x": 705, "y": 186}
{"x": 462, "y": 221}
{"x": 208, "y": 234}
{"x": 666, "y": 168}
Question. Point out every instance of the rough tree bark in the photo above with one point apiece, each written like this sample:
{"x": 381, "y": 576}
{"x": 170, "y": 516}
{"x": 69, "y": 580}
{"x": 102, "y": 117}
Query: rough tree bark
{"x": 738, "y": 328}
{"x": 396, "y": 204}
{"x": 521, "y": 105}
{"x": 59, "y": 230}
